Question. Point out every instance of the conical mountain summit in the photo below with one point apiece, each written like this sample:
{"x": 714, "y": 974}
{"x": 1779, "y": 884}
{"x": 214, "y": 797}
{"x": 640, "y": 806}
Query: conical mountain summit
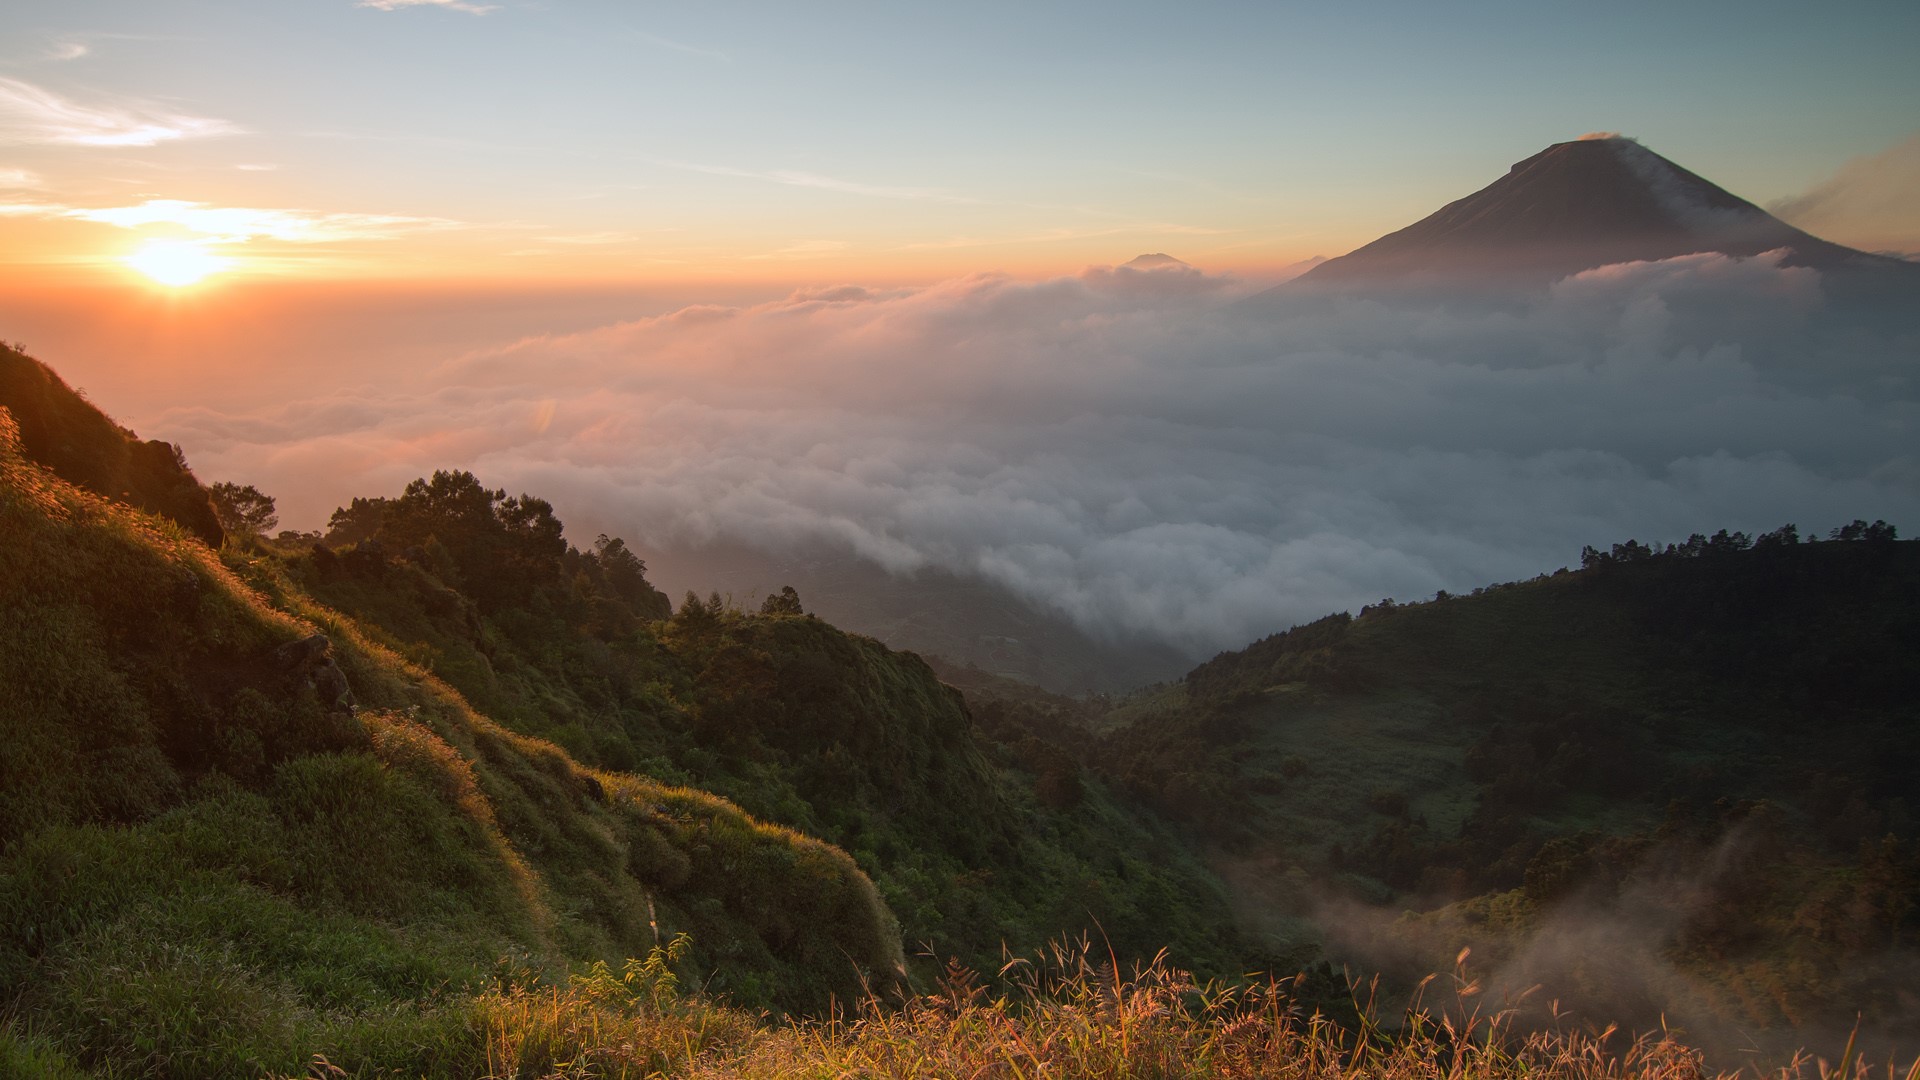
{"x": 1576, "y": 205}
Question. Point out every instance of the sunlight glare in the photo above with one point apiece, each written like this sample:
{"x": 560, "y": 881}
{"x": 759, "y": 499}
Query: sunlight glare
{"x": 175, "y": 262}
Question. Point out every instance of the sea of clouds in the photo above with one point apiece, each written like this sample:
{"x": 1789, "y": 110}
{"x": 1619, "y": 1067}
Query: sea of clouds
{"x": 1148, "y": 451}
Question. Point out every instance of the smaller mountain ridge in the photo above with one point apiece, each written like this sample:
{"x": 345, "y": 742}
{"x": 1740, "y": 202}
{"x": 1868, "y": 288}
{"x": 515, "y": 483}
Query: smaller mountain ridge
{"x": 1597, "y": 200}
{"x": 1155, "y": 260}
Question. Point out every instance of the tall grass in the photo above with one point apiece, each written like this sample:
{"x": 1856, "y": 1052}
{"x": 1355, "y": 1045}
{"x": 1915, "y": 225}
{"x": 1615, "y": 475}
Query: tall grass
{"x": 1070, "y": 1011}
{"x": 1074, "y": 1012}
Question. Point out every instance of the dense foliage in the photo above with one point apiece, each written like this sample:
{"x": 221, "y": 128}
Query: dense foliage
{"x": 205, "y": 862}
{"x": 1678, "y": 782}
{"x": 824, "y": 732}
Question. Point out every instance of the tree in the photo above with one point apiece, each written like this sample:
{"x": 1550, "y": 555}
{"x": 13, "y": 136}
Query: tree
{"x": 625, "y": 575}
{"x": 784, "y": 602}
{"x": 243, "y": 510}
{"x": 358, "y": 520}
{"x": 1860, "y": 530}
{"x": 503, "y": 549}
{"x": 623, "y": 569}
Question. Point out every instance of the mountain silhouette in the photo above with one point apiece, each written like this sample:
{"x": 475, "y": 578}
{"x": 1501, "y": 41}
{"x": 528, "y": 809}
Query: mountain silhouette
{"x": 1577, "y": 205}
{"x": 1155, "y": 260}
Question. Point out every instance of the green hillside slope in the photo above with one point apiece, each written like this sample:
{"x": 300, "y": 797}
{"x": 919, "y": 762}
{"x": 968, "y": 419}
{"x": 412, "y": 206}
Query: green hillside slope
{"x": 1676, "y": 782}
{"x": 62, "y": 431}
{"x": 345, "y": 788}
{"x": 829, "y": 733}
{"x": 207, "y": 860}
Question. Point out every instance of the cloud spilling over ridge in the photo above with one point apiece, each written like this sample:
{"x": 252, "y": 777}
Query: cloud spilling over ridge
{"x": 1131, "y": 448}
{"x": 1871, "y": 196}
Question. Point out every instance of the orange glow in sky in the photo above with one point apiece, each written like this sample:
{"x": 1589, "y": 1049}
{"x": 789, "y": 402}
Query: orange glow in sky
{"x": 594, "y": 145}
{"x": 176, "y": 263}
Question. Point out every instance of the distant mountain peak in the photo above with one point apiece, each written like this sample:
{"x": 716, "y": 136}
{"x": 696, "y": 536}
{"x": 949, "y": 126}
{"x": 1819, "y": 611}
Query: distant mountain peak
{"x": 1154, "y": 261}
{"x": 1599, "y": 199}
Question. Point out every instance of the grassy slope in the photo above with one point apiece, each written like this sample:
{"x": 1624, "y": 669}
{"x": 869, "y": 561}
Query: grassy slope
{"x": 64, "y": 432}
{"x": 203, "y": 869}
{"x": 829, "y": 733}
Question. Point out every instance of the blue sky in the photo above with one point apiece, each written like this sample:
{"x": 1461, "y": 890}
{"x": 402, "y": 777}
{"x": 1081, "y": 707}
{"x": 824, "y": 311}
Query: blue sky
{"x": 599, "y": 140}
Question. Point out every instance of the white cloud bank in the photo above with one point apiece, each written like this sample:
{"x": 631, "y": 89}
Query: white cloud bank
{"x": 1127, "y": 448}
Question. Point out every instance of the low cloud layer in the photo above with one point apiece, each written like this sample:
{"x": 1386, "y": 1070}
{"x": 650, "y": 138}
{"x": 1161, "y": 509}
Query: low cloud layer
{"x": 1144, "y": 452}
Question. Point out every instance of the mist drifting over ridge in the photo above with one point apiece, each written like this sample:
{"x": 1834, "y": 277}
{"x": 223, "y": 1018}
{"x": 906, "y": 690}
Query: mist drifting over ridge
{"x": 1136, "y": 450}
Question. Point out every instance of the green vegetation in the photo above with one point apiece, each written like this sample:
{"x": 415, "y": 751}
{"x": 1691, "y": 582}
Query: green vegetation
{"x": 242, "y": 818}
{"x": 972, "y": 843}
{"x": 243, "y": 510}
{"x": 1676, "y": 783}
{"x": 208, "y": 870}
{"x": 1067, "y": 1012}
{"x": 59, "y": 429}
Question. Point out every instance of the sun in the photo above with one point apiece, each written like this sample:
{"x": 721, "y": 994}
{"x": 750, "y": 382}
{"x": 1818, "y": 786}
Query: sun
{"x": 175, "y": 262}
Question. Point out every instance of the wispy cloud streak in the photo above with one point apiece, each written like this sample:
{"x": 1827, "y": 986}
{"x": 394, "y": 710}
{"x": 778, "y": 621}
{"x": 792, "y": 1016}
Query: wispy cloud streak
{"x": 681, "y": 46}
{"x": 31, "y": 114}
{"x": 450, "y": 5}
{"x": 798, "y": 178}
{"x": 234, "y": 224}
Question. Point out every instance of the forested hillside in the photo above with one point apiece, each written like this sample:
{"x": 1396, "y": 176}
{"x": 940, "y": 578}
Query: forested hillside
{"x": 292, "y": 794}
{"x": 1678, "y": 781}
{"x": 828, "y": 733}
{"x": 209, "y": 858}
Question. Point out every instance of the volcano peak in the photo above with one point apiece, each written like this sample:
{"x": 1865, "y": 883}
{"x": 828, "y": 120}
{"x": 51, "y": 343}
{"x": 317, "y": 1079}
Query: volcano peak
{"x": 1599, "y": 199}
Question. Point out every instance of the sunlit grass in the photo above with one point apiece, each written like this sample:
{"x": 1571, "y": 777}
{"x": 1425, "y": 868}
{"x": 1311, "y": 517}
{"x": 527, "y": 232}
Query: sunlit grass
{"x": 1069, "y": 1011}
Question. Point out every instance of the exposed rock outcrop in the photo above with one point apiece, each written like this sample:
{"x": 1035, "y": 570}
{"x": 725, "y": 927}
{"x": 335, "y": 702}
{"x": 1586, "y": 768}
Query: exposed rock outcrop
{"x": 311, "y": 658}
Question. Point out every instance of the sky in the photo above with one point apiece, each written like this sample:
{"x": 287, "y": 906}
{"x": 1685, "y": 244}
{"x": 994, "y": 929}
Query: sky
{"x": 852, "y": 275}
{"x": 726, "y": 142}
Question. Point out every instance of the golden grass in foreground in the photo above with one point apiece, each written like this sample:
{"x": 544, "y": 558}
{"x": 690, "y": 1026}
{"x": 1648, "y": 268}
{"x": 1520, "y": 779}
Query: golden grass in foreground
{"x": 1068, "y": 1013}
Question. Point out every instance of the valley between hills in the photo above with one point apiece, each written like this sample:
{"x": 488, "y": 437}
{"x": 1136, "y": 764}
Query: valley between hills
{"x": 447, "y": 792}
